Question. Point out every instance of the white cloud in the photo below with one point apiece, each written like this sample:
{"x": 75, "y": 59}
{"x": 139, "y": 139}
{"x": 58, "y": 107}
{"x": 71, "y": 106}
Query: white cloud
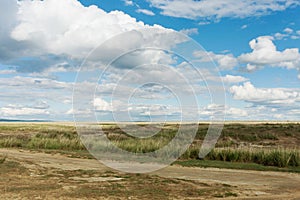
{"x": 25, "y": 90}
{"x": 288, "y": 30}
{"x": 49, "y": 38}
{"x": 220, "y": 110}
{"x": 13, "y": 110}
{"x": 78, "y": 112}
{"x": 102, "y": 105}
{"x": 224, "y": 61}
{"x": 145, "y": 11}
{"x": 236, "y": 112}
{"x": 191, "y": 31}
{"x": 251, "y": 68}
{"x": 55, "y": 30}
{"x": 280, "y": 36}
{"x": 202, "y": 23}
{"x": 7, "y": 71}
{"x": 128, "y": 2}
{"x": 294, "y": 37}
{"x": 234, "y": 79}
{"x": 212, "y": 110}
{"x": 286, "y": 34}
{"x": 278, "y": 116}
{"x": 32, "y": 82}
{"x": 265, "y": 53}
{"x": 153, "y": 110}
{"x": 244, "y": 26}
{"x": 247, "y": 92}
{"x": 222, "y": 8}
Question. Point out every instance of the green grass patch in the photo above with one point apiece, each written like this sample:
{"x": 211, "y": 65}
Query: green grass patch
{"x": 269, "y": 157}
{"x": 234, "y": 165}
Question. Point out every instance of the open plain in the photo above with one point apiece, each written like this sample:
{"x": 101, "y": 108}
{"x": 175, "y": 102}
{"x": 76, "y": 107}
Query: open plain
{"x": 47, "y": 161}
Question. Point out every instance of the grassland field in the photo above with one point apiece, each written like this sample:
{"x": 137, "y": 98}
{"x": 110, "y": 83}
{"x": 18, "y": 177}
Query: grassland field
{"x": 253, "y": 146}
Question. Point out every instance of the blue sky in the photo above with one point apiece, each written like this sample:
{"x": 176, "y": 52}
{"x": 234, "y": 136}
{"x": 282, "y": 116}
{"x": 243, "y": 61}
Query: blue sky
{"x": 254, "y": 45}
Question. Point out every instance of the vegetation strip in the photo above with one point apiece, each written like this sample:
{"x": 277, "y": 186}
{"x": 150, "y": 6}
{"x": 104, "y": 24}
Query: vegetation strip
{"x": 263, "y": 144}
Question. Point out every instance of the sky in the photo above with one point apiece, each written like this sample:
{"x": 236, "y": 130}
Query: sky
{"x": 152, "y": 60}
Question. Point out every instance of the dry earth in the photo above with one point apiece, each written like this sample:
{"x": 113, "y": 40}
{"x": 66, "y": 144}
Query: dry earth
{"x": 55, "y": 176}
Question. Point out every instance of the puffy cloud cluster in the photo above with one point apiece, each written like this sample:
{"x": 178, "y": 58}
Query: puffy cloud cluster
{"x": 224, "y": 61}
{"x": 265, "y": 53}
{"x": 268, "y": 103}
{"x": 48, "y": 26}
{"x": 287, "y": 33}
{"x": 247, "y": 92}
{"x": 234, "y": 79}
{"x": 13, "y": 110}
{"x": 216, "y": 9}
{"x": 228, "y": 112}
{"x": 190, "y": 31}
{"x": 62, "y": 33}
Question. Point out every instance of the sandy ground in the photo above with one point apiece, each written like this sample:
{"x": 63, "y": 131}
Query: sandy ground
{"x": 247, "y": 184}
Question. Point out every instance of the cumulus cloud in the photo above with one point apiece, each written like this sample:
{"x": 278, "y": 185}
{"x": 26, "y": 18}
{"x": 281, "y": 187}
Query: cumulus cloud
{"x": 252, "y": 68}
{"x": 102, "y": 105}
{"x": 212, "y": 110}
{"x": 7, "y": 71}
{"x": 265, "y": 53}
{"x": 236, "y": 113}
{"x": 191, "y": 31}
{"x": 128, "y": 2}
{"x": 224, "y": 61}
{"x": 13, "y": 110}
{"x": 62, "y": 33}
{"x": 154, "y": 110}
{"x": 25, "y": 90}
{"x": 288, "y": 30}
{"x": 233, "y": 79}
{"x": 47, "y": 25}
{"x": 127, "y": 111}
{"x": 33, "y": 82}
{"x": 247, "y": 92}
{"x": 286, "y": 34}
{"x": 192, "y": 9}
{"x": 145, "y": 11}
{"x": 280, "y": 36}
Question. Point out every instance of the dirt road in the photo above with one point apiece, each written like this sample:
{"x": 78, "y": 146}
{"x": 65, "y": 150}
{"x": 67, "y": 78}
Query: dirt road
{"x": 247, "y": 184}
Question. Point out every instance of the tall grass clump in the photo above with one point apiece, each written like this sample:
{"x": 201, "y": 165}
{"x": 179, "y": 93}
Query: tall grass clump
{"x": 10, "y": 142}
{"x": 267, "y": 157}
{"x": 2, "y": 159}
{"x": 55, "y": 141}
{"x": 51, "y": 139}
